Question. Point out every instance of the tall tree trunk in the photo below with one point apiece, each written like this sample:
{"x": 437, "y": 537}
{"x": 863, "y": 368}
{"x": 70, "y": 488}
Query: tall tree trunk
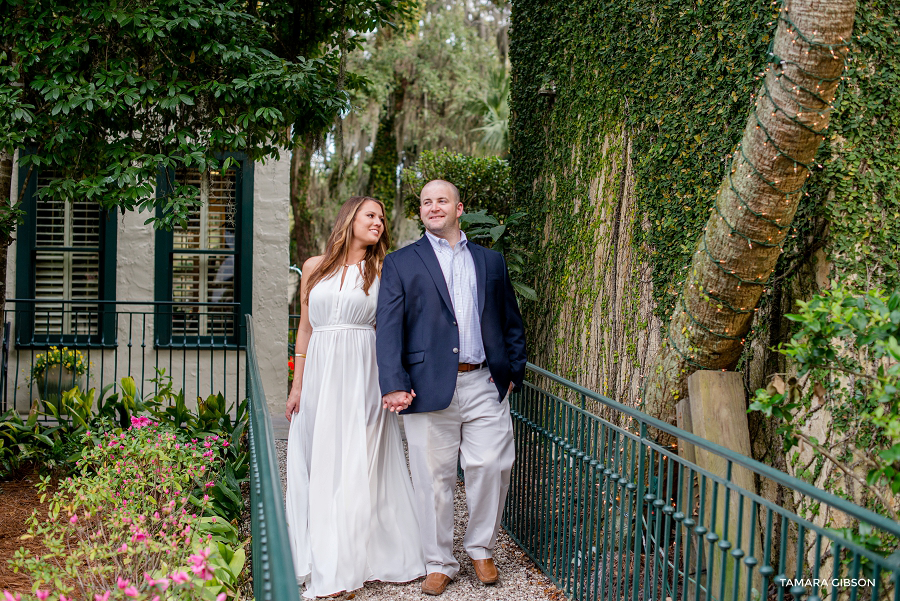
{"x": 7, "y": 227}
{"x": 9, "y": 206}
{"x": 383, "y": 172}
{"x": 305, "y": 245}
{"x": 757, "y": 199}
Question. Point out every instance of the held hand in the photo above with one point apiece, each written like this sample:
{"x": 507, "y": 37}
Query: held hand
{"x": 293, "y": 403}
{"x": 396, "y": 400}
{"x": 409, "y": 400}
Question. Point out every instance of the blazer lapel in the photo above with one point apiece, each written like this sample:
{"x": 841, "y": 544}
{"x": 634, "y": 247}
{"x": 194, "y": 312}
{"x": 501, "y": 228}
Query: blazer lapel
{"x": 426, "y": 253}
{"x": 480, "y": 274}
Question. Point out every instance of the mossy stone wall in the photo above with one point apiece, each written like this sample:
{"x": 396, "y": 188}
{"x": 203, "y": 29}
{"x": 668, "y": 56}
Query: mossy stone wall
{"x": 623, "y": 114}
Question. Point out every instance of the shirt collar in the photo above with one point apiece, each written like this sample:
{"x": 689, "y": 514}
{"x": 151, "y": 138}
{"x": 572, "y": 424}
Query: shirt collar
{"x": 437, "y": 241}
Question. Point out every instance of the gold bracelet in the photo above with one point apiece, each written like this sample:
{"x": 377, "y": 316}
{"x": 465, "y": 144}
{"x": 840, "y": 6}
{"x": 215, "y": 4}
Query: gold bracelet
{"x": 301, "y": 355}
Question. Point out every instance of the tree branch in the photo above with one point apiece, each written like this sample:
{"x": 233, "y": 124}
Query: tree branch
{"x": 889, "y": 507}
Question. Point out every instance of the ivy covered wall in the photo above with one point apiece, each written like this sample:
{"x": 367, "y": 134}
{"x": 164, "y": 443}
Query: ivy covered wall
{"x": 623, "y": 115}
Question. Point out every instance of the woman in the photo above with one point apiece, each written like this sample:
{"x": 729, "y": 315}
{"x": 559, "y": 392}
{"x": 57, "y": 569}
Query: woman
{"x": 349, "y": 498}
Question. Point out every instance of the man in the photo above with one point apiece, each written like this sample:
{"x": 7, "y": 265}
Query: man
{"x": 451, "y": 347}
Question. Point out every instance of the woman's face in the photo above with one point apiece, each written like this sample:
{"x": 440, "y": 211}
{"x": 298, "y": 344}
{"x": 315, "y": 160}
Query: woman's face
{"x": 368, "y": 225}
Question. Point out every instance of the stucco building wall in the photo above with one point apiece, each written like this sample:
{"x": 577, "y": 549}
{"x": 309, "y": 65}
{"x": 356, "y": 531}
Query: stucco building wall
{"x": 196, "y": 372}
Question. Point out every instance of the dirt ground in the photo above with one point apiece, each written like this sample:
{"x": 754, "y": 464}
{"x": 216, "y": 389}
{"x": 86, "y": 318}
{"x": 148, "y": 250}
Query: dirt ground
{"x": 18, "y": 498}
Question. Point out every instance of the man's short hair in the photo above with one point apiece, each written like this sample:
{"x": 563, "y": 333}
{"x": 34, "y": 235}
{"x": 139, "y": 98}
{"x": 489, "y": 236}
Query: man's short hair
{"x": 453, "y": 188}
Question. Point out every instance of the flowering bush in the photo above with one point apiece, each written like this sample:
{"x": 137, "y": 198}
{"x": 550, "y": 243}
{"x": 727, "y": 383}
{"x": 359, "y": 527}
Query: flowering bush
{"x": 290, "y": 369}
{"x": 129, "y": 525}
{"x": 76, "y": 411}
{"x": 71, "y": 359}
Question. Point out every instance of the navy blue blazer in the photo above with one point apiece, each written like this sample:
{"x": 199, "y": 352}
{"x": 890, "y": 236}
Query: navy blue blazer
{"x": 416, "y": 333}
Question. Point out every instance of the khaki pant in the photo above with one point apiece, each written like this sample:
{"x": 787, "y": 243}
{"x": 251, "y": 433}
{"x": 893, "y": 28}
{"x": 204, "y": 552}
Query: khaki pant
{"x": 477, "y": 429}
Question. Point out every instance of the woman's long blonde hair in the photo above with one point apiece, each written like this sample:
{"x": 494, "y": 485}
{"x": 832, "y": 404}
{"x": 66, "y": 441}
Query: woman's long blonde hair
{"x": 339, "y": 243}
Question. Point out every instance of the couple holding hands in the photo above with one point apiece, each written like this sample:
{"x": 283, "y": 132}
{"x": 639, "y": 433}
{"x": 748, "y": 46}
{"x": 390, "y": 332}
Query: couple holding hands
{"x": 449, "y": 348}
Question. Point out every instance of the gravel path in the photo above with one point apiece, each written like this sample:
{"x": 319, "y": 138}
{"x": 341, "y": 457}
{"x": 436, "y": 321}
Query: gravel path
{"x": 520, "y": 579}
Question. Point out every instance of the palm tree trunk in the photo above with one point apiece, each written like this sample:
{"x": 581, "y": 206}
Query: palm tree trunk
{"x": 757, "y": 199}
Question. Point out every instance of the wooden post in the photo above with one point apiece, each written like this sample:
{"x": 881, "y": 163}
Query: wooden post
{"x": 718, "y": 413}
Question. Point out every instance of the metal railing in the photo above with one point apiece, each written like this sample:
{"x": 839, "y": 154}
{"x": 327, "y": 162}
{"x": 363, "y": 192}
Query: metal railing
{"x": 273, "y": 568}
{"x": 608, "y": 513}
{"x": 200, "y": 345}
{"x": 293, "y": 324}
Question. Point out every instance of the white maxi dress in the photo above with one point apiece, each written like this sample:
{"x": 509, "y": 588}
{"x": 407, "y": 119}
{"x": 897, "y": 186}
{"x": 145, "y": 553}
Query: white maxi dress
{"x": 349, "y": 498}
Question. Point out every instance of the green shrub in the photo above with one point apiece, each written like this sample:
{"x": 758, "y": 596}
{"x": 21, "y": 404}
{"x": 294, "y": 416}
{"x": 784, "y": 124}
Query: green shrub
{"x": 57, "y": 446}
{"x": 484, "y": 182}
{"x": 491, "y": 232}
{"x": 128, "y": 524}
{"x": 485, "y": 190}
{"x": 847, "y": 353}
{"x": 21, "y": 442}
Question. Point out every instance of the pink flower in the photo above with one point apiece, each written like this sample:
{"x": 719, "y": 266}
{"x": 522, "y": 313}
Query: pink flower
{"x": 200, "y": 568}
{"x": 199, "y": 558}
{"x": 131, "y": 592}
{"x": 73, "y": 519}
{"x": 221, "y": 597}
{"x": 162, "y": 583}
{"x": 123, "y": 548}
{"x": 64, "y": 598}
{"x": 103, "y": 597}
{"x": 179, "y": 577}
{"x": 202, "y": 571}
{"x": 7, "y": 596}
{"x": 42, "y": 594}
{"x": 122, "y": 583}
{"x": 205, "y": 498}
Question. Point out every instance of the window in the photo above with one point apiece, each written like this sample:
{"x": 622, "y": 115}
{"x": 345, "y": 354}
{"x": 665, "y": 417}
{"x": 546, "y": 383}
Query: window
{"x": 65, "y": 262}
{"x": 203, "y": 270}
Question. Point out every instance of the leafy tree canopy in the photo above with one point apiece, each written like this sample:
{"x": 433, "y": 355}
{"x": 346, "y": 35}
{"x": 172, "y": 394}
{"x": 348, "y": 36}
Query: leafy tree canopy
{"x": 107, "y": 94}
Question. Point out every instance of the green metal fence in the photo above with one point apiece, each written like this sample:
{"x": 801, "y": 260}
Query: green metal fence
{"x": 273, "y": 569}
{"x": 199, "y": 345}
{"x": 608, "y": 513}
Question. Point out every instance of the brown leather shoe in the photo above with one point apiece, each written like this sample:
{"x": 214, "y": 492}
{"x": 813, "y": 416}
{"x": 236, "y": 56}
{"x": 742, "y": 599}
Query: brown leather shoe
{"x": 435, "y": 583}
{"x": 486, "y": 570}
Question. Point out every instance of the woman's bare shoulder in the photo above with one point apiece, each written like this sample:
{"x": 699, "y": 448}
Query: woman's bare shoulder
{"x": 311, "y": 263}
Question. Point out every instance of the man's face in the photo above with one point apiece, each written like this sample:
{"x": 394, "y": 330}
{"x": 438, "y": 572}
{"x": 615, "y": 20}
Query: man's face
{"x": 439, "y": 209}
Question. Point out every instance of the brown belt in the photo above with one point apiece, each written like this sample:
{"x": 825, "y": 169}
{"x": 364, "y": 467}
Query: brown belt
{"x": 471, "y": 366}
